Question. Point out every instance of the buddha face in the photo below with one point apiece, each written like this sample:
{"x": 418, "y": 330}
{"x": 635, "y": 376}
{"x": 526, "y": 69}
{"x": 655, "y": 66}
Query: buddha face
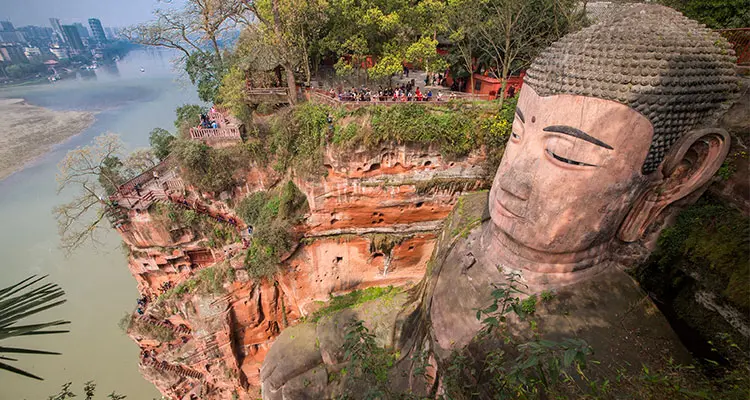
{"x": 570, "y": 172}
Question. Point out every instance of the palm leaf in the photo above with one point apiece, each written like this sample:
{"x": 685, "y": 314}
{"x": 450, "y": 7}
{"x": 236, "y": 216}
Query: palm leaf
{"x": 20, "y": 301}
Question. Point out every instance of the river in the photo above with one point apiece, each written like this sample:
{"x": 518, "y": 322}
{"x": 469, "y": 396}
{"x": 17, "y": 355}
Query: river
{"x": 99, "y": 288}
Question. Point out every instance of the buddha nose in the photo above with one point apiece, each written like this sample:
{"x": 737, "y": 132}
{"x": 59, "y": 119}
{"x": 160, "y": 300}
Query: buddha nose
{"x": 517, "y": 179}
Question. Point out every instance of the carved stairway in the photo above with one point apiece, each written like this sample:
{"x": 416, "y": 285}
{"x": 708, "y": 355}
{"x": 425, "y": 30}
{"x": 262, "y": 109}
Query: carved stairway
{"x": 179, "y": 329}
{"x": 176, "y": 369}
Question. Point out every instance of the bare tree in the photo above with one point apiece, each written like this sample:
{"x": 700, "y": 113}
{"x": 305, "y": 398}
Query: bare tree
{"x": 512, "y": 32}
{"x": 88, "y": 170}
{"x": 94, "y": 172}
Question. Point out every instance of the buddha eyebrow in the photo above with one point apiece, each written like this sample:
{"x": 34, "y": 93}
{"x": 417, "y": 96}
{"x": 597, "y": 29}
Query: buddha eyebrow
{"x": 520, "y": 115}
{"x": 567, "y": 130}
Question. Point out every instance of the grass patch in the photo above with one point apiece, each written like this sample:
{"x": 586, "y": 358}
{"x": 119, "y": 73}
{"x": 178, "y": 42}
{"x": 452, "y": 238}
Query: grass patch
{"x": 297, "y": 136}
{"x": 353, "y": 299}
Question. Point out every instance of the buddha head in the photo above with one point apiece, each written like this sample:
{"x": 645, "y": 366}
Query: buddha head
{"x": 613, "y": 124}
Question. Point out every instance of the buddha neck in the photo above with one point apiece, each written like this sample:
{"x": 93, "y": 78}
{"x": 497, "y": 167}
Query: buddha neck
{"x": 538, "y": 267}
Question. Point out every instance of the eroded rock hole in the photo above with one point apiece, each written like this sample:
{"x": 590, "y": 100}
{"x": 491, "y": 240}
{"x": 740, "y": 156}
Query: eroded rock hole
{"x": 427, "y": 163}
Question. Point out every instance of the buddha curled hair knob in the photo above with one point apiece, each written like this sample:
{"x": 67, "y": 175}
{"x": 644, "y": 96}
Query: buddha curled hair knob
{"x": 674, "y": 71}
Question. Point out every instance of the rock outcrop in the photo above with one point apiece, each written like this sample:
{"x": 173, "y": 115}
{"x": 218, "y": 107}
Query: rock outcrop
{"x": 373, "y": 221}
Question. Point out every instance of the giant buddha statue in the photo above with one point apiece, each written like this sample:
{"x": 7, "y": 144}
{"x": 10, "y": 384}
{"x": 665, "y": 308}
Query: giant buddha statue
{"x": 613, "y": 125}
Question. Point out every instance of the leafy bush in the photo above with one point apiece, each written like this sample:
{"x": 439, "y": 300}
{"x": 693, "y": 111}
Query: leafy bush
{"x": 208, "y": 169}
{"x": 271, "y": 214}
{"x": 188, "y": 116}
{"x": 160, "y": 140}
{"x": 297, "y": 136}
{"x": 209, "y": 280}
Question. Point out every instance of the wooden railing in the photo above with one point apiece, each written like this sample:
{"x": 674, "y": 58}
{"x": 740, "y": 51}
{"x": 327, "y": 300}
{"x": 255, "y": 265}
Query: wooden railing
{"x": 739, "y": 38}
{"x": 280, "y": 91}
{"x": 215, "y": 133}
{"x": 144, "y": 178}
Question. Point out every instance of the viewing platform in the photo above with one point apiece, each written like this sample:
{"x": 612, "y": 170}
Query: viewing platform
{"x": 227, "y": 131}
{"x": 152, "y": 185}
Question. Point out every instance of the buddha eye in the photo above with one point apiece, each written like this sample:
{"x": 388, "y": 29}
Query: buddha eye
{"x": 569, "y": 161}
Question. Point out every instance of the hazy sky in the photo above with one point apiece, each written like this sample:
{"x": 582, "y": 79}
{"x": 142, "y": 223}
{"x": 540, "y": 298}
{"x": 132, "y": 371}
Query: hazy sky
{"x": 110, "y": 12}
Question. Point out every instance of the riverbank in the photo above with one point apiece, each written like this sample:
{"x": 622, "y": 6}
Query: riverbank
{"x": 30, "y": 131}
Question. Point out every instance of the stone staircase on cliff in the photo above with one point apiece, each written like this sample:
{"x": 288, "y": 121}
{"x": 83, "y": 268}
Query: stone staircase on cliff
{"x": 176, "y": 369}
{"x": 179, "y": 329}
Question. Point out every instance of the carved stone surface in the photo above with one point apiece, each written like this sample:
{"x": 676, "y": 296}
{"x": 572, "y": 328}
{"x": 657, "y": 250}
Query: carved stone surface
{"x": 669, "y": 68}
{"x": 603, "y": 141}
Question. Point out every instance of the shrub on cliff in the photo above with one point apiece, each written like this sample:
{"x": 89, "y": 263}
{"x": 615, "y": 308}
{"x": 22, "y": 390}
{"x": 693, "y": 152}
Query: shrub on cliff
{"x": 130, "y": 324}
{"x": 272, "y": 215}
{"x": 160, "y": 140}
{"x": 206, "y": 168}
{"x": 714, "y": 239}
{"x": 188, "y": 116}
{"x": 298, "y": 136}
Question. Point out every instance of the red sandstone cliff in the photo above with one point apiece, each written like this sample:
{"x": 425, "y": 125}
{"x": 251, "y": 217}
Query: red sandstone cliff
{"x": 372, "y": 222}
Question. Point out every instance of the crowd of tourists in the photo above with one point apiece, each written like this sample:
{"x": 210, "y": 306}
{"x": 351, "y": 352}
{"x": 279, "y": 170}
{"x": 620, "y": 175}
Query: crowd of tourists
{"x": 403, "y": 93}
{"x": 207, "y": 123}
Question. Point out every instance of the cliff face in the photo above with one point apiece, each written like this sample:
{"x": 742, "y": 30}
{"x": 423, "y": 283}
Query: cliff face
{"x": 205, "y": 325}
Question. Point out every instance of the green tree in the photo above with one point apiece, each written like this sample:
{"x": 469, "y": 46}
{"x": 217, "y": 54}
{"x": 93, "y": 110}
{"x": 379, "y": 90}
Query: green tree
{"x": 232, "y": 93}
{"x": 14, "y": 71}
{"x": 160, "y": 140}
{"x": 17, "y": 303}
{"x": 424, "y": 53}
{"x": 194, "y": 28}
{"x": 462, "y": 32}
{"x": 188, "y": 116}
{"x": 716, "y": 14}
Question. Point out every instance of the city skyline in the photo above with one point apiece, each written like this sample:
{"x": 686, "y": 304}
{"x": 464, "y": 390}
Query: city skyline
{"x": 113, "y": 13}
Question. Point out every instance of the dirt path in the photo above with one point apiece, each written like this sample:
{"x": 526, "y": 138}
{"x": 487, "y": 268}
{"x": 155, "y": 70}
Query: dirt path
{"x": 27, "y": 132}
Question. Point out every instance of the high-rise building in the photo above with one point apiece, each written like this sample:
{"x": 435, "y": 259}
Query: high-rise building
{"x": 8, "y": 33}
{"x": 55, "y": 23}
{"x": 73, "y": 38}
{"x": 82, "y": 30}
{"x": 97, "y": 31}
{"x": 110, "y": 33}
{"x": 37, "y": 36}
{"x": 12, "y": 53}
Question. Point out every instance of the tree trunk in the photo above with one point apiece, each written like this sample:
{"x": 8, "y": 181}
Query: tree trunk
{"x": 216, "y": 49}
{"x": 291, "y": 85}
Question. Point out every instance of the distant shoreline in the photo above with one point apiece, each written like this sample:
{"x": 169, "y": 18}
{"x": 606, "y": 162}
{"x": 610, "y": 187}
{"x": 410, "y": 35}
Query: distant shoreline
{"x": 30, "y": 132}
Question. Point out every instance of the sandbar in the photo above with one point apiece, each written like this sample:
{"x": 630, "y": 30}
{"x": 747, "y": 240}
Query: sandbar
{"x": 29, "y": 131}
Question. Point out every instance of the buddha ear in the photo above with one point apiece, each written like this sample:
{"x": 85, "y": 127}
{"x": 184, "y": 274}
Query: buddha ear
{"x": 690, "y": 164}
